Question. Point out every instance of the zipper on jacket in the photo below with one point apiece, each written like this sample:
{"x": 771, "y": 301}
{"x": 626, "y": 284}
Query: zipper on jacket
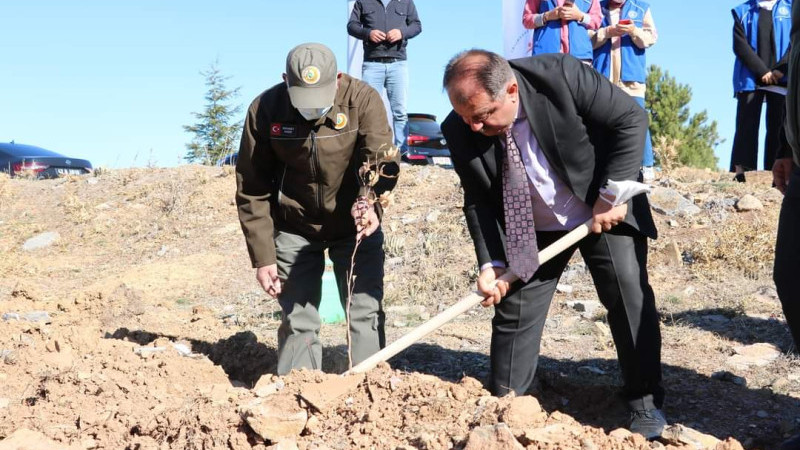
{"x": 316, "y": 171}
{"x": 280, "y": 191}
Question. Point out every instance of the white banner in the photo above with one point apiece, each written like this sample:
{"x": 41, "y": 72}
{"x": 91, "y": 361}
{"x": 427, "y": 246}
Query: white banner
{"x": 516, "y": 38}
{"x": 355, "y": 51}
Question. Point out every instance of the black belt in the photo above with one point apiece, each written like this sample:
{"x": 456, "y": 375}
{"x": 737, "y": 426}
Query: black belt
{"x": 383, "y": 60}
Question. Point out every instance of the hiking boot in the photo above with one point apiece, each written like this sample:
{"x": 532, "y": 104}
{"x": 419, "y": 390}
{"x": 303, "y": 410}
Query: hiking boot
{"x": 648, "y": 422}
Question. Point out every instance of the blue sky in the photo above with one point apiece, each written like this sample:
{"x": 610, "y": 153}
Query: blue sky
{"x": 114, "y": 81}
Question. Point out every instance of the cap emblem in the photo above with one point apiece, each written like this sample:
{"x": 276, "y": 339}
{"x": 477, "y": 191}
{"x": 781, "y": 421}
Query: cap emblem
{"x": 311, "y": 75}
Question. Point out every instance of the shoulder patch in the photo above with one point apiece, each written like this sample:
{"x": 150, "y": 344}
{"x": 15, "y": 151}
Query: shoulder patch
{"x": 341, "y": 121}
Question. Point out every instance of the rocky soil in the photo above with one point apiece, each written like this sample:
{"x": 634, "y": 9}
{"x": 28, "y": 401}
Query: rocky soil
{"x": 131, "y": 319}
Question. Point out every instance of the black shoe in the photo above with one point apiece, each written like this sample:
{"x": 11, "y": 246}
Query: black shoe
{"x": 739, "y": 178}
{"x": 648, "y": 422}
{"x": 793, "y": 443}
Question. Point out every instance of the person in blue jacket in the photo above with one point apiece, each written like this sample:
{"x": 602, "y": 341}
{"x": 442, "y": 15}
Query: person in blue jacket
{"x": 761, "y": 31}
{"x": 620, "y": 44}
{"x": 560, "y": 26}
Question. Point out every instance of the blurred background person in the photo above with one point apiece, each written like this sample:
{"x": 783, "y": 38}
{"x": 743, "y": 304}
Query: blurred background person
{"x": 620, "y": 43}
{"x": 560, "y": 26}
{"x": 760, "y": 42}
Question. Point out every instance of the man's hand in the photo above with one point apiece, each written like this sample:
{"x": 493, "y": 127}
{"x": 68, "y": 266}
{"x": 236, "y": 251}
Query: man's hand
{"x": 569, "y": 12}
{"x": 377, "y": 36}
{"x": 394, "y": 35}
{"x": 777, "y": 75}
{"x": 605, "y": 216}
{"x": 768, "y": 78}
{"x": 267, "y": 277}
{"x": 366, "y": 218}
{"x": 781, "y": 170}
{"x": 487, "y": 287}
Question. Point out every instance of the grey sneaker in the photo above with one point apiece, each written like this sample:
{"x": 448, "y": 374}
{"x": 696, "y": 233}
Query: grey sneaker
{"x": 648, "y": 422}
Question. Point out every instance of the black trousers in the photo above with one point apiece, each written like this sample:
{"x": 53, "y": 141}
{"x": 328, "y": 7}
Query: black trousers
{"x": 617, "y": 261}
{"x": 787, "y": 257}
{"x": 748, "y": 120}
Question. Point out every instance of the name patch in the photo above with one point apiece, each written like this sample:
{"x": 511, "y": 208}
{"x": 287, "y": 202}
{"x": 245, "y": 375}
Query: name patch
{"x": 282, "y": 130}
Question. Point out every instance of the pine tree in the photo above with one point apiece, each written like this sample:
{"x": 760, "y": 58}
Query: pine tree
{"x": 671, "y": 121}
{"x": 214, "y": 135}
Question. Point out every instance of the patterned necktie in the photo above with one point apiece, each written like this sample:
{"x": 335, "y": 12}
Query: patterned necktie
{"x": 521, "y": 249}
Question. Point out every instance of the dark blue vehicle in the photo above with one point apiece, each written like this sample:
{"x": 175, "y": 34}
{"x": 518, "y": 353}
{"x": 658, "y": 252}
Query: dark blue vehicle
{"x": 20, "y": 159}
{"x": 425, "y": 142}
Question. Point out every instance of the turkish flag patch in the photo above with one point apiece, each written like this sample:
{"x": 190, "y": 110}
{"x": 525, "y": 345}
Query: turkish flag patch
{"x": 275, "y": 129}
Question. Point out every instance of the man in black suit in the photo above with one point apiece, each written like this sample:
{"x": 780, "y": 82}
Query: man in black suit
{"x": 572, "y": 131}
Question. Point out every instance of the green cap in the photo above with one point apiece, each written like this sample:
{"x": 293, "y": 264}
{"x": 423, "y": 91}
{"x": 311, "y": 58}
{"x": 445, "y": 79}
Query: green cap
{"x": 311, "y": 75}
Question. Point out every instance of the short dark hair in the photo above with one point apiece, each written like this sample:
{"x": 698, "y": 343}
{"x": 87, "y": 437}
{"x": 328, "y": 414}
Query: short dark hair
{"x": 490, "y": 70}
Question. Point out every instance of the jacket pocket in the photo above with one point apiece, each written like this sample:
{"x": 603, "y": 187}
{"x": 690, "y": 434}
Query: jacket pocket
{"x": 401, "y": 9}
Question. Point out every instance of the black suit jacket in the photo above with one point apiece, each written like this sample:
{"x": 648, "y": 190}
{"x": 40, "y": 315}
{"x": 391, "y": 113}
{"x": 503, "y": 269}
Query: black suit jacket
{"x": 589, "y": 130}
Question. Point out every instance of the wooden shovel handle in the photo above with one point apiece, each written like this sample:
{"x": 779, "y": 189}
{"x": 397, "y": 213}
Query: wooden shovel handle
{"x": 464, "y": 304}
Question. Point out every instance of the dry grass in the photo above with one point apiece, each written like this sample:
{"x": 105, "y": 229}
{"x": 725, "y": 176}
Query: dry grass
{"x": 745, "y": 246}
{"x": 666, "y": 150}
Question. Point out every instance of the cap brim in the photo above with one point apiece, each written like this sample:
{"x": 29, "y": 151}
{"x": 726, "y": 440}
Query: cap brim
{"x": 313, "y": 97}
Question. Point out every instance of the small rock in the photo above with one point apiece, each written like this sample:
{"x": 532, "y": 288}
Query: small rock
{"x": 146, "y": 351}
{"x": 762, "y": 414}
{"x": 587, "y": 308}
{"x": 673, "y": 253}
{"x": 279, "y": 419}
{"x": 601, "y": 329}
{"x": 492, "y": 437}
{"x": 564, "y": 288}
{"x": 552, "y": 434}
{"x": 432, "y": 216}
{"x": 682, "y": 435}
{"x": 670, "y": 202}
{"x": 591, "y": 370}
{"x": 758, "y": 355}
{"x": 672, "y": 223}
{"x": 523, "y": 411}
{"x": 749, "y": 203}
{"x": 4, "y": 402}
{"x": 620, "y": 434}
{"x": 724, "y": 375}
{"x": 162, "y": 251}
{"x": 41, "y": 241}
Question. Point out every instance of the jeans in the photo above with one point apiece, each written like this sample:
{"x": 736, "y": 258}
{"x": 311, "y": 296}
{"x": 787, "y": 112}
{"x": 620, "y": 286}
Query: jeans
{"x": 393, "y": 77}
{"x": 648, "y": 160}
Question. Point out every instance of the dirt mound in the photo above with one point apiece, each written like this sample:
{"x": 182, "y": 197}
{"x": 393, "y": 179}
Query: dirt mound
{"x": 131, "y": 319}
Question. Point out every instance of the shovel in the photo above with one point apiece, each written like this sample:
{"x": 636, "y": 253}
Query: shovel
{"x": 621, "y": 192}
